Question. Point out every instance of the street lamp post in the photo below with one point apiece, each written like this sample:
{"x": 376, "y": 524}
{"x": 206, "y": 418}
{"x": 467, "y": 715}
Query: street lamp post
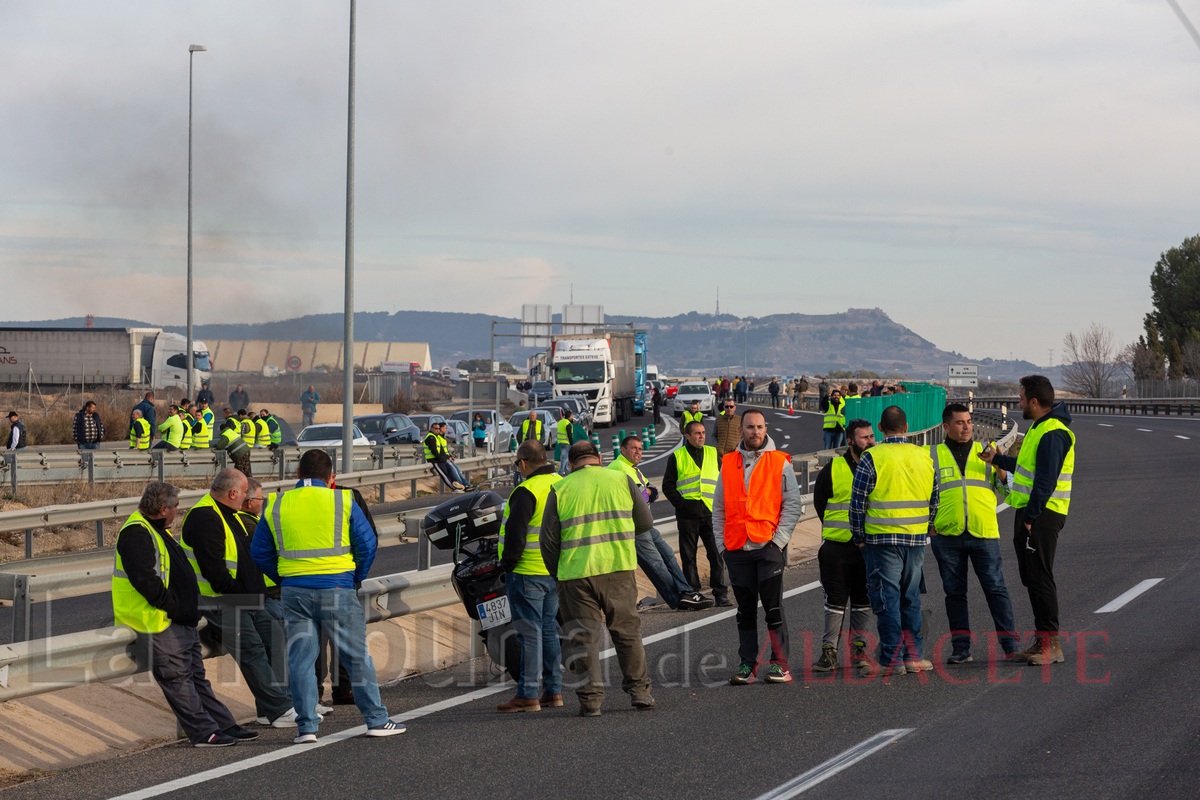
{"x": 188, "y": 359}
{"x": 348, "y": 330}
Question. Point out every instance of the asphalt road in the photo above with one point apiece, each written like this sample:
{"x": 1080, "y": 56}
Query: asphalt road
{"x": 88, "y": 612}
{"x": 1118, "y": 719}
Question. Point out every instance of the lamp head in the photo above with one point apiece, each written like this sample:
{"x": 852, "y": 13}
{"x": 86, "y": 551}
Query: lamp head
{"x": 196, "y": 48}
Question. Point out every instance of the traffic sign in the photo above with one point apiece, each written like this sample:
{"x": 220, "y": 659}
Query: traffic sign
{"x": 294, "y": 363}
{"x": 964, "y": 375}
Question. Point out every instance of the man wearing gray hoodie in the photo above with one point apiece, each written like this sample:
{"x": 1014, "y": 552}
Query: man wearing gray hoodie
{"x": 755, "y": 509}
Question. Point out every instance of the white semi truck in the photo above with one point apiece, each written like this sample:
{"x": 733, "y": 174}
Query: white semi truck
{"x": 599, "y": 366}
{"x": 146, "y": 358}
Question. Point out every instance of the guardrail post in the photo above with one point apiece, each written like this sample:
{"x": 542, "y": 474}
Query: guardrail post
{"x": 99, "y": 533}
{"x": 282, "y": 461}
{"x": 804, "y": 477}
{"x": 377, "y": 457}
{"x": 424, "y": 551}
{"x": 29, "y": 542}
{"x": 222, "y": 460}
{"x": 157, "y": 457}
{"x": 20, "y": 607}
{"x": 11, "y": 458}
{"x": 89, "y": 456}
{"x": 412, "y": 491}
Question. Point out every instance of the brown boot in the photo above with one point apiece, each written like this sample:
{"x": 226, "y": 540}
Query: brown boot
{"x": 519, "y": 704}
{"x": 551, "y": 700}
{"x": 1052, "y": 654}
{"x": 1034, "y": 648}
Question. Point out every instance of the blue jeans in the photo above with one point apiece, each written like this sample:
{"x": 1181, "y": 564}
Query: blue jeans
{"x": 834, "y": 439}
{"x": 657, "y": 560}
{"x": 338, "y": 614}
{"x": 534, "y": 603}
{"x": 894, "y": 588}
{"x": 89, "y": 445}
{"x": 952, "y": 554}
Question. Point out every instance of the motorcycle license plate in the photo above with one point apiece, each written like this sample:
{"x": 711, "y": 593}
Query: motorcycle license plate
{"x": 494, "y": 612}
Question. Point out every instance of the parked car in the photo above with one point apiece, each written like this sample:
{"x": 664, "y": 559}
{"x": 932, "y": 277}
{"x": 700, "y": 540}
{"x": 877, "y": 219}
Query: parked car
{"x": 457, "y": 431}
{"x": 697, "y": 390}
{"x": 423, "y": 421}
{"x": 672, "y": 390}
{"x": 542, "y": 390}
{"x": 489, "y": 416}
{"x": 328, "y": 435}
{"x": 388, "y": 428}
{"x": 549, "y": 430}
{"x": 580, "y": 411}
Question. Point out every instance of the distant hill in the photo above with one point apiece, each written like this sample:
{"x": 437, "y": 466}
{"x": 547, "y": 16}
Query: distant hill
{"x": 780, "y": 344}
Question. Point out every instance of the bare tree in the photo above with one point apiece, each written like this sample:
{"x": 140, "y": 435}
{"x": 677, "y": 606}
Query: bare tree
{"x": 1090, "y": 361}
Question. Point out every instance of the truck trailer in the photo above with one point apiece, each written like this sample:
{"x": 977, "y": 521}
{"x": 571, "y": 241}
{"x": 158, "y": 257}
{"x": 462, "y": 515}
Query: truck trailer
{"x": 600, "y": 366}
{"x": 140, "y": 358}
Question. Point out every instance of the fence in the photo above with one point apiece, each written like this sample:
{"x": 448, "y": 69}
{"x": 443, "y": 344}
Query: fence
{"x": 383, "y": 388}
{"x": 1155, "y": 406}
{"x": 923, "y": 406}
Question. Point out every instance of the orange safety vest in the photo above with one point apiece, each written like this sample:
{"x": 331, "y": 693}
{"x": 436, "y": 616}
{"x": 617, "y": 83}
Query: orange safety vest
{"x": 754, "y": 516}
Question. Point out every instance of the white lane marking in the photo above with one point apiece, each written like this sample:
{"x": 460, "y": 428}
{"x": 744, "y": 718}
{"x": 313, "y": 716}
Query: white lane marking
{"x": 1128, "y": 596}
{"x": 1145, "y": 430}
{"x": 1177, "y": 436}
{"x": 1104, "y": 425}
{"x": 779, "y": 429}
{"x": 1001, "y": 507}
{"x": 669, "y": 422}
{"x": 835, "y": 765}
{"x": 787, "y": 436}
{"x": 423, "y": 711}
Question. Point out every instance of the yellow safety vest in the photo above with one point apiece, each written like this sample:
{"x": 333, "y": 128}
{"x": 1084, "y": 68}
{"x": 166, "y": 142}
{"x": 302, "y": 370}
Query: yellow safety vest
{"x": 965, "y": 501}
{"x": 595, "y": 512}
{"x": 899, "y": 503}
{"x": 440, "y": 446}
{"x": 689, "y": 416}
{"x": 537, "y": 429}
{"x": 139, "y": 434}
{"x": 697, "y": 482}
{"x": 130, "y": 607}
{"x": 833, "y": 415}
{"x": 531, "y": 562}
{"x": 564, "y": 434}
{"x": 311, "y": 528}
{"x": 276, "y": 433}
{"x": 203, "y": 437}
{"x": 185, "y": 443}
{"x": 247, "y": 431}
{"x": 231, "y": 556}
{"x": 836, "y": 525}
{"x": 262, "y": 432}
{"x": 1060, "y": 500}
{"x": 249, "y": 523}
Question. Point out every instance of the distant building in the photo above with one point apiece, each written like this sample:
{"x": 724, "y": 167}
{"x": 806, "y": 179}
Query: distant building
{"x": 254, "y": 356}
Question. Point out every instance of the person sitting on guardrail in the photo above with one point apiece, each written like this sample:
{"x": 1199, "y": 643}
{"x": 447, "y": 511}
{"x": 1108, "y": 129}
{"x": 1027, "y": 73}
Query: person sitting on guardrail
{"x": 218, "y": 548}
{"x": 318, "y": 576}
{"x": 262, "y": 430}
{"x": 139, "y": 432}
{"x": 231, "y": 442}
{"x": 437, "y": 455}
{"x": 154, "y": 592}
{"x": 172, "y": 430}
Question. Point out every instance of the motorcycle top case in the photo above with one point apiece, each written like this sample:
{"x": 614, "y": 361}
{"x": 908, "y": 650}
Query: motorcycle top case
{"x": 480, "y": 514}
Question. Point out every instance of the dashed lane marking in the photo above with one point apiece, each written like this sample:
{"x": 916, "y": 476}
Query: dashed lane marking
{"x": 1104, "y": 425}
{"x": 1177, "y": 436}
{"x": 833, "y": 766}
{"x": 1145, "y": 430}
{"x": 1122, "y": 600}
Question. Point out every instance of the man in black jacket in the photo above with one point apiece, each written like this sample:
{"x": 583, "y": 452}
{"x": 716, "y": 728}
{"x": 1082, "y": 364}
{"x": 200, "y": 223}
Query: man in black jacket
{"x": 694, "y": 515}
{"x": 212, "y": 531}
{"x": 174, "y": 653}
{"x": 17, "y": 438}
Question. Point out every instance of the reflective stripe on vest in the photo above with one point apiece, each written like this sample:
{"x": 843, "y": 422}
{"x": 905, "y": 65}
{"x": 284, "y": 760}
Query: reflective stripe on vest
{"x": 275, "y": 431}
{"x": 531, "y": 562}
{"x": 1060, "y": 500}
{"x": 262, "y": 433}
{"x": 595, "y": 512}
{"x": 311, "y": 529}
{"x": 203, "y": 437}
{"x": 231, "y": 556}
{"x": 130, "y": 607}
{"x": 624, "y": 465}
{"x": 139, "y": 434}
{"x": 440, "y": 445}
{"x": 836, "y": 525}
{"x": 564, "y": 433}
{"x": 833, "y": 415}
{"x": 965, "y": 502}
{"x": 697, "y": 483}
{"x": 247, "y": 430}
{"x": 537, "y": 428}
{"x": 185, "y": 442}
{"x": 752, "y": 514}
{"x": 899, "y": 503}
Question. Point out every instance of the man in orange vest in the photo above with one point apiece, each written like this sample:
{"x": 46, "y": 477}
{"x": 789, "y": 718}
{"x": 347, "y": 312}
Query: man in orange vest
{"x": 756, "y": 506}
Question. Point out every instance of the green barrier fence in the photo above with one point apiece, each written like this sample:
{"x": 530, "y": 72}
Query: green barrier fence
{"x": 922, "y": 405}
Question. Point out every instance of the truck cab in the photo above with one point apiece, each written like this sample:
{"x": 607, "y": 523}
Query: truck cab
{"x": 170, "y": 363}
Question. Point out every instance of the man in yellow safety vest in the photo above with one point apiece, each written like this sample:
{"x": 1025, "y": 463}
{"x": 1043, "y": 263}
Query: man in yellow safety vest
{"x": 689, "y": 482}
{"x": 139, "y": 432}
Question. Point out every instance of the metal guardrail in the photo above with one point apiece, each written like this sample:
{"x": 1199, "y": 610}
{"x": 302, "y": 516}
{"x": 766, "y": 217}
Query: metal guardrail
{"x": 1149, "y": 406}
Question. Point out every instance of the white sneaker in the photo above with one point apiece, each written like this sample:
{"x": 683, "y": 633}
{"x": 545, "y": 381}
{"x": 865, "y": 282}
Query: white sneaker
{"x": 388, "y": 728}
{"x": 285, "y": 720}
{"x": 323, "y": 710}
{"x": 263, "y": 721}
{"x": 305, "y": 738}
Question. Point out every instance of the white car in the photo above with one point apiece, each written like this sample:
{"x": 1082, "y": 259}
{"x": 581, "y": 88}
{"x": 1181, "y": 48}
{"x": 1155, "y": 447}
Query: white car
{"x": 694, "y": 390}
{"x": 328, "y": 435}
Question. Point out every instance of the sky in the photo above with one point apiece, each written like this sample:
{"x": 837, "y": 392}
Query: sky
{"x": 993, "y": 174}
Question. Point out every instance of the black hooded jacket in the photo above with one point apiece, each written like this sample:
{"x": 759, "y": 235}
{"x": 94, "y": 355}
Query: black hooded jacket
{"x": 1051, "y": 453}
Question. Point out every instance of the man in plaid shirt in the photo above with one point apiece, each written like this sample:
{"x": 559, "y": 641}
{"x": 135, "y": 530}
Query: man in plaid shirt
{"x": 893, "y": 503}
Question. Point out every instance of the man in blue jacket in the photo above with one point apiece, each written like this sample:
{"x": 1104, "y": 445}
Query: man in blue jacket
{"x": 318, "y": 586}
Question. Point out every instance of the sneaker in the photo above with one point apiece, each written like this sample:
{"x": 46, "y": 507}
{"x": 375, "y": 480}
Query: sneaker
{"x": 551, "y": 701}
{"x": 644, "y": 703}
{"x": 828, "y": 661}
{"x": 743, "y": 676}
{"x": 960, "y": 657}
{"x": 777, "y": 674}
{"x": 216, "y": 740}
{"x": 518, "y": 705}
{"x": 305, "y": 738}
{"x": 1052, "y": 654}
{"x": 285, "y": 720}
{"x": 694, "y": 602}
{"x": 864, "y": 670}
{"x": 240, "y": 733}
{"x": 587, "y": 711}
{"x": 918, "y": 666}
{"x": 858, "y": 652}
{"x": 388, "y": 728}
{"x": 723, "y": 602}
{"x": 323, "y": 710}
{"x": 263, "y": 721}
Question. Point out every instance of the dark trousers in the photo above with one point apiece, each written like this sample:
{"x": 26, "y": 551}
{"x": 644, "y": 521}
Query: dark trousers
{"x": 953, "y": 554}
{"x": 242, "y": 464}
{"x": 330, "y": 665}
{"x": 590, "y": 604}
{"x": 843, "y": 580}
{"x": 757, "y": 575}
{"x": 691, "y": 533}
{"x": 250, "y": 636}
{"x": 177, "y": 665}
{"x": 1035, "y": 560}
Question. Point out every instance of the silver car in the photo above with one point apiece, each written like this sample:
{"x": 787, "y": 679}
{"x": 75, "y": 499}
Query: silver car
{"x": 497, "y": 442}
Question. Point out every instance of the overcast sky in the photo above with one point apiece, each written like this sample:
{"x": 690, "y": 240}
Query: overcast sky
{"x": 992, "y": 174}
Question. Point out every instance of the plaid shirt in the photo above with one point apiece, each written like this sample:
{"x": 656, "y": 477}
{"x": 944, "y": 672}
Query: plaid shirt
{"x": 864, "y": 483}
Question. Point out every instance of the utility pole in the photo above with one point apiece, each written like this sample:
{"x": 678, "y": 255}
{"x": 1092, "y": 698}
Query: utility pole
{"x": 348, "y": 331}
{"x": 1051, "y": 351}
{"x": 189, "y": 358}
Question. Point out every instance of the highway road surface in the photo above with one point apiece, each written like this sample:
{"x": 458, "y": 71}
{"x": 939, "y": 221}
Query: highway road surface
{"x": 1117, "y": 720}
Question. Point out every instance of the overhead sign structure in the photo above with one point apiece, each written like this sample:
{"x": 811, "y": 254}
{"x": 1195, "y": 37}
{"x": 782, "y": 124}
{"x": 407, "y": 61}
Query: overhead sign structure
{"x": 535, "y": 325}
{"x": 963, "y": 375}
{"x": 581, "y": 319}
